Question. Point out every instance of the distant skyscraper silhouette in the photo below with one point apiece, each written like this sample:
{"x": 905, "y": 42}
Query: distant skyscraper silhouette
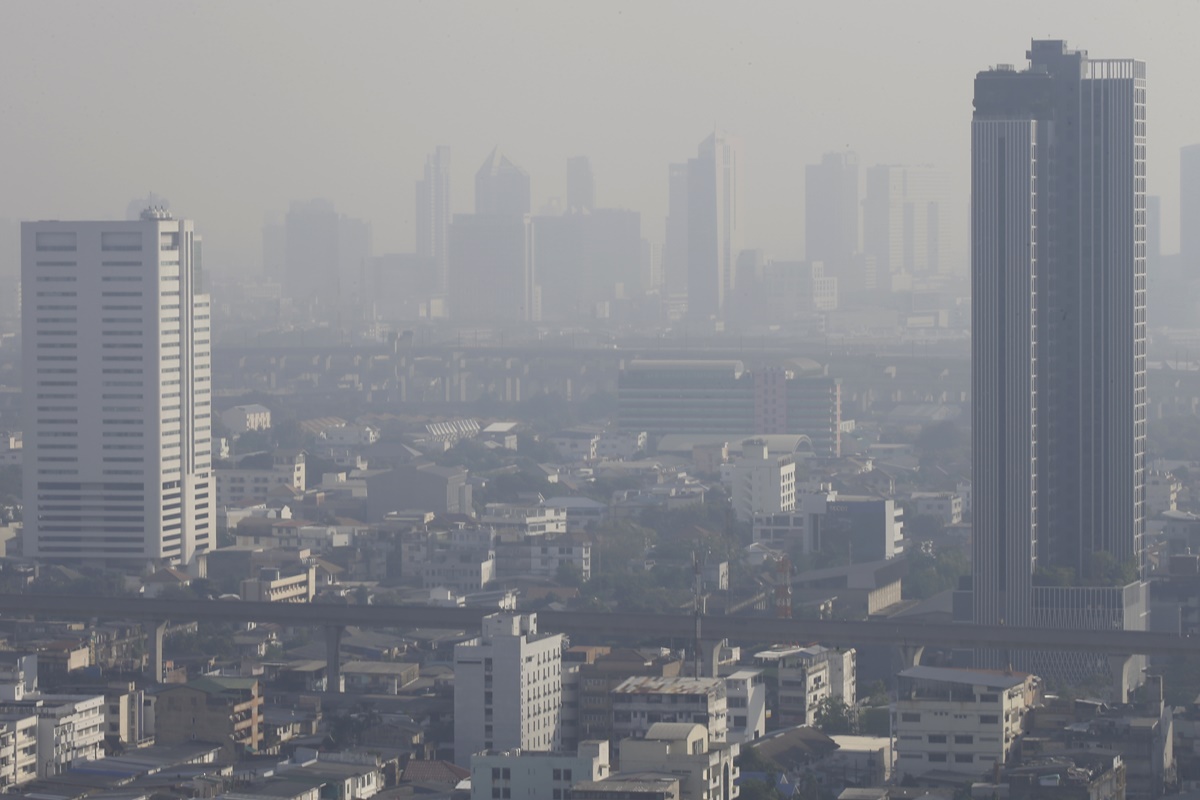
{"x": 714, "y": 224}
{"x": 831, "y": 210}
{"x": 1058, "y": 339}
{"x": 501, "y": 187}
{"x": 675, "y": 243}
{"x": 311, "y": 255}
{"x": 903, "y": 228}
{"x": 581, "y": 186}
{"x": 433, "y": 211}
{"x": 1189, "y": 209}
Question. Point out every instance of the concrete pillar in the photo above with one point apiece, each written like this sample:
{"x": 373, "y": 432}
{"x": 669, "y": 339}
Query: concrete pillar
{"x": 154, "y": 631}
{"x": 910, "y": 654}
{"x": 333, "y": 658}
{"x": 710, "y": 653}
{"x": 1118, "y": 668}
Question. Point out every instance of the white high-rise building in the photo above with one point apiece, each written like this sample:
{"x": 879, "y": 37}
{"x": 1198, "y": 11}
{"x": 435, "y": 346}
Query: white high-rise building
{"x": 508, "y": 688}
{"x": 117, "y": 376}
{"x": 762, "y": 483}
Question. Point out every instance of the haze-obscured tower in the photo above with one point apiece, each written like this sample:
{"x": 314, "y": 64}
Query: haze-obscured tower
{"x": 433, "y": 211}
{"x": 1058, "y": 338}
{"x": 581, "y": 185}
{"x": 501, "y": 187}
{"x": 1189, "y": 209}
{"x": 714, "y": 224}
{"x": 117, "y": 452}
{"x": 491, "y": 276}
{"x": 312, "y": 259}
{"x": 831, "y": 210}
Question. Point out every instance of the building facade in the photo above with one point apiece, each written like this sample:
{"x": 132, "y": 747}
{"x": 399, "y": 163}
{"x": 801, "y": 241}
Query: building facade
{"x": 957, "y": 720}
{"x": 117, "y": 342}
{"x": 1058, "y": 335}
{"x": 507, "y": 688}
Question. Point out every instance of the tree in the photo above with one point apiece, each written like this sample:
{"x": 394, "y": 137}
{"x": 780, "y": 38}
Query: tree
{"x": 834, "y": 717}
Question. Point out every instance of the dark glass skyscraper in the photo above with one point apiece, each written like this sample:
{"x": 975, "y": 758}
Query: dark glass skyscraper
{"x": 1058, "y": 262}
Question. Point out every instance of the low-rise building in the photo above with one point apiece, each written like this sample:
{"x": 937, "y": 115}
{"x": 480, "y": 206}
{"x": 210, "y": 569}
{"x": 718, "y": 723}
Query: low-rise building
{"x": 245, "y": 418}
{"x": 960, "y": 720}
{"x": 706, "y": 769}
{"x": 945, "y": 507}
{"x": 297, "y": 584}
{"x": 70, "y": 728}
{"x": 746, "y": 698}
{"x": 639, "y": 702}
{"x": 18, "y": 749}
{"x": 225, "y": 711}
{"x": 525, "y": 774}
{"x": 249, "y": 483}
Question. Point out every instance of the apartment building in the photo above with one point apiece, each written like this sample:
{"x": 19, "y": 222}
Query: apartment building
{"x": 523, "y": 774}
{"x": 639, "y": 702}
{"x": 960, "y": 720}
{"x": 507, "y": 688}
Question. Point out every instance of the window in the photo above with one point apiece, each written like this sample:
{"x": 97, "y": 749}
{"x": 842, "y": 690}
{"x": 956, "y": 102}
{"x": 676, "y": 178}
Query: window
{"x": 937, "y": 738}
{"x": 910, "y": 716}
{"x": 989, "y": 698}
{"x": 938, "y": 758}
{"x": 989, "y": 719}
{"x": 963, "y": 758}
{"x": 964, "y": 738}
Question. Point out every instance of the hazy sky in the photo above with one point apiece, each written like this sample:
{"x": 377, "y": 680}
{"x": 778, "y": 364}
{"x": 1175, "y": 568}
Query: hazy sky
{"x": 232, "y": 109}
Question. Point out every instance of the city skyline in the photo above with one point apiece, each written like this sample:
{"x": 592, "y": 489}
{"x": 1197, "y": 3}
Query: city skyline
{"x": 682, "y": 92}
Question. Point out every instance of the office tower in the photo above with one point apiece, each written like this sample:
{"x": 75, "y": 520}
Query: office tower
{"x": 581, "y": 186}
{"x": 433, "y": 212}
{"x": 1058, "y": 339}
{"x": 1189, "y": 208}
{"x": 491, "y": 270}
{"x": 274, "y": 247}
{"x": 501, "y": 187}
{"x": 312, "y": 256}
{"x": 903, "y": 225}
{"x": 117, "y": 457}
{"x": 507, "y": 688}
{"x": 675, "y": 243}
{"x": 583, "y": 260}
{"x": 355, "y": 249}
{"x": 831, "y": 210}
{"x": 714, "y": 224}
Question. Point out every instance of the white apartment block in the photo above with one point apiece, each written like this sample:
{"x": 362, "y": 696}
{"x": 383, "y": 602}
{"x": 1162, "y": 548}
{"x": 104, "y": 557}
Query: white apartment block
{"x": 639, "y": 702}
{"x": 117, "y": 372}
{"x": 807, "y": 675}
{"x": 959, "y": 720}
{"x": 243, "y": 419}
{"x": 947, "y": 507}
{"x": 241, "y": 486}
{"x": 70, "y": 728}
{"x": 18, "y": 749}
{"x": 274, "y": 585}
{"x": 706, "y": 770}
{"x": 507, "y": 688}
{"x": 621, "y": 445}
{"x": 575, "y": 445}
{"x": 762, "y": 483}
{"x": 528, "y": 520}
{"x": 746, "y": 699}
{"x": 522, "y": 774}
{"x": 1162, "y": 492}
